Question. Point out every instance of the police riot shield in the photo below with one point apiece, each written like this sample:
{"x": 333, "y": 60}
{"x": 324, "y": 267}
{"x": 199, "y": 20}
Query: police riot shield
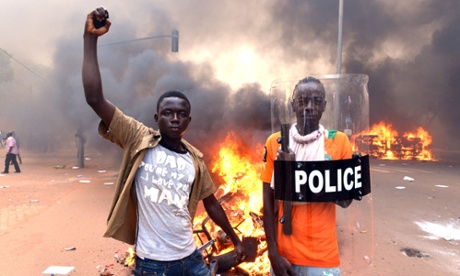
{"x": 335, "y": 181}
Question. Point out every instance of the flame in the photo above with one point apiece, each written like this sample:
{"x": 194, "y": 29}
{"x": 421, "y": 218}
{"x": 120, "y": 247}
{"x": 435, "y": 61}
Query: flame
{"x": 130, "y": 257}
{"x": 240, "y": 170}
{"x": 383, "y": 142}
{"x": 239, "y": 167}
{"x": 240, "y": 195}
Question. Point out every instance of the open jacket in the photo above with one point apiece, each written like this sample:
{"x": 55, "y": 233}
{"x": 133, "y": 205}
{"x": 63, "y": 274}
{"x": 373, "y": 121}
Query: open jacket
{"x": 135, "y": 138}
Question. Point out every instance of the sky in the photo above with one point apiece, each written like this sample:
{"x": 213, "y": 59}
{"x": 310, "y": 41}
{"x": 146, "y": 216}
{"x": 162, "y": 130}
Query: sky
{"x": 230, "y": 53}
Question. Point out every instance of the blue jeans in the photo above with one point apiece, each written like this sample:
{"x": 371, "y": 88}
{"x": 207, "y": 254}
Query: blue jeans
{"x": 193, "y": 265}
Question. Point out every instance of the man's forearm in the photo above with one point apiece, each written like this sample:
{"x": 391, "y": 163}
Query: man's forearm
{"x": 92, "y": 81}
{"x": 217, "y": 214}
{"x": 91, "y": 75}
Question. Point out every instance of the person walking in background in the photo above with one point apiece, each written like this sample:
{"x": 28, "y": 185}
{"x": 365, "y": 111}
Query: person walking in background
{"x": 17, "y": 144}
{"x": 80, "y": 141}
{"x": 11, "y": 152}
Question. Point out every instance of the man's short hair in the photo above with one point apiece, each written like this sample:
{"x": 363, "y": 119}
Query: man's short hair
{"x": 169, "y": 94}
{"x": 307, "y": 80}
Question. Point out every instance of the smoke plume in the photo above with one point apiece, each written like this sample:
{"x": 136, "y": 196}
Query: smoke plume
{"x": 409, "y": 50}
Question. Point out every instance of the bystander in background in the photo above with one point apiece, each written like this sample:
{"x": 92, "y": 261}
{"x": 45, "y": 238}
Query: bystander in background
{"x": 11, "y": 152}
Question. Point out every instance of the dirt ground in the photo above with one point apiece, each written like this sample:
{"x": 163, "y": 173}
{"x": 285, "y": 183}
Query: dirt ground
{"x": 52, "y": 206}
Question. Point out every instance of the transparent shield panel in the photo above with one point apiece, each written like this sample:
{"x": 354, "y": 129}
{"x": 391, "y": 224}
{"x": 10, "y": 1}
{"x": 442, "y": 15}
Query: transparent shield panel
{"x": 347, "y": 110}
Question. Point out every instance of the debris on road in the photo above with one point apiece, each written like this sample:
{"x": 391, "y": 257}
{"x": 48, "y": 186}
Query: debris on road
{"x": 366, "y": 259}
{"x": 63, "y": 270}
{"x": 448, "y": 231}
{"x": 442, "y": 186}
{"x": 105, "y": 272}
{"x": 411, "y": 252}
{"x": 407, "y": 178}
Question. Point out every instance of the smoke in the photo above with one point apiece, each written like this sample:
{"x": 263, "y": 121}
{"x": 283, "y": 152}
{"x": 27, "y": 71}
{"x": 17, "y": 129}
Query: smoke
{"x": 418, "y": 87}
{"x": 136, "y": 78}
{"x": 409, "y": 50}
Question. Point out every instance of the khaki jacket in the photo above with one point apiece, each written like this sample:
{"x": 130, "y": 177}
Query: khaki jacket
{"x": 134, "y": 138}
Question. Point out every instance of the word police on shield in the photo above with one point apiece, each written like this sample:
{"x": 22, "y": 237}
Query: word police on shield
{"x": 322, "y": 181}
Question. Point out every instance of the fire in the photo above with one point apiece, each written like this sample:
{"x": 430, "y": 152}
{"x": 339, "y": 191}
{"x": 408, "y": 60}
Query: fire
{"x": 241, "y": 197}
{"x": 383, "y": 142}
{"x": 240, "y": 171}
{"x": 130, "y": 256}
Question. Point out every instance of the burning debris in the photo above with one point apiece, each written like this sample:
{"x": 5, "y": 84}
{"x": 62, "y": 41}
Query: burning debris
{"x": 217, "y": 248}
{"x": 385, "y": 143}
{"x": 241, "y": 198}
{"x": 239, "y": 170}
{"x": 127, "y": 259}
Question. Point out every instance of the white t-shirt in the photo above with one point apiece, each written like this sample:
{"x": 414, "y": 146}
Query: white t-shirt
{"x": 163, "y": 184}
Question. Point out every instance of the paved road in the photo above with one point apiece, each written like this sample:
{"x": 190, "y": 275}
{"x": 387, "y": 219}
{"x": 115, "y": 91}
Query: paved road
{"x": 421, "y": 216}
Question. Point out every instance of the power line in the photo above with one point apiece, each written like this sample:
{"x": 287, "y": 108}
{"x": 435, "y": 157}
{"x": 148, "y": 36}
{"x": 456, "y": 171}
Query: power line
{"x": 30, "y": 70}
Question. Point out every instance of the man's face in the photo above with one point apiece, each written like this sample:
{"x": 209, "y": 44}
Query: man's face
{"x": 173, "y": 117}
{"x": 309, "y": 104}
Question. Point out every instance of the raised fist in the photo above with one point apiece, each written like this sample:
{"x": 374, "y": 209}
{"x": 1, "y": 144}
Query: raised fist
{"x": 98, "y": 22}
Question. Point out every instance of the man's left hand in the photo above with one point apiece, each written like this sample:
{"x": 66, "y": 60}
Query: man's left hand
{"x": 240, "y": 252}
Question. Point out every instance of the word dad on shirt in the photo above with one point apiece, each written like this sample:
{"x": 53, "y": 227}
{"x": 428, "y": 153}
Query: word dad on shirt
{"x": 166, "y": 177}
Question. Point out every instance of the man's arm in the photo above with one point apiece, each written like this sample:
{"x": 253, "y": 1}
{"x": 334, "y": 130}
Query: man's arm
{"x": 9, "y": 146}
{"x": 217, "y": 214}
{"x": 91, "y": 76}
{"x": 280, "y": 265}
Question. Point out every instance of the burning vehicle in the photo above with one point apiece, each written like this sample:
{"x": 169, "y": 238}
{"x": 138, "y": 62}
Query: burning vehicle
{"x": 385, "y": 143}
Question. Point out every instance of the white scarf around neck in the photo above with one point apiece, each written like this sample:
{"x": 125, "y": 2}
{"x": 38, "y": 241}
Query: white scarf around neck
{"x": 309, "y": 147}
{"x": 306, "y": 148}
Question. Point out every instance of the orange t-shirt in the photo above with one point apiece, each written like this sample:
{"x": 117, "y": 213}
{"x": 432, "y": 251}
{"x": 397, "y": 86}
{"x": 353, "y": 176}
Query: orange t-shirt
{"x": 313, "y": 241}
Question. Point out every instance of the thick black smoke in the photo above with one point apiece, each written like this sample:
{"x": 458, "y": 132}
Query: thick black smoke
{"x": 417, "y": 89}
{"x": 409, "y": 50}
{"x": 408, "y": 93}
{"x": 136, "y": 78}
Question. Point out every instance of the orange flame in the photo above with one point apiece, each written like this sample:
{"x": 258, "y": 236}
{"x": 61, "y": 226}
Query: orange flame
{"x": 383, "y": 142}
{"x": 240, "y": 167}
{"x": 240, "y": 171}
{"x": 127, "y": 259}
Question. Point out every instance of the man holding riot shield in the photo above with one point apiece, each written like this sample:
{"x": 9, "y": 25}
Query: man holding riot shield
{"x": 301, "y": 236}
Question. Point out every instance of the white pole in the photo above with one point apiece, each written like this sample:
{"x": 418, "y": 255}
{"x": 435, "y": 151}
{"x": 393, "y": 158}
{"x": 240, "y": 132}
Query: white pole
{"x": 339, "y": 40}
{"x": 336, "y": 103}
